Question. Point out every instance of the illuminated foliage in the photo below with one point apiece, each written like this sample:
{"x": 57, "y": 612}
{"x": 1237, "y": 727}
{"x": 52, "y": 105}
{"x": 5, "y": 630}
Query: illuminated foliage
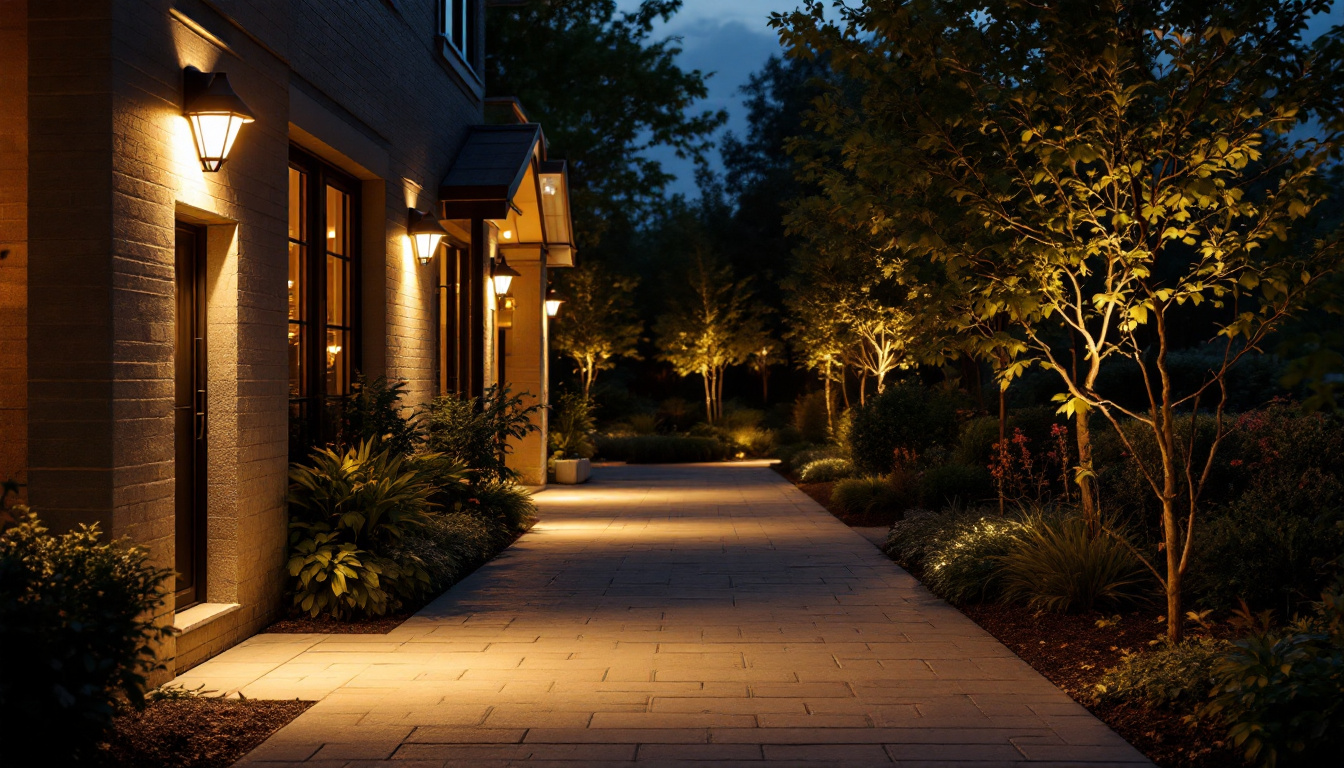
{"x": 1107, "y": 181}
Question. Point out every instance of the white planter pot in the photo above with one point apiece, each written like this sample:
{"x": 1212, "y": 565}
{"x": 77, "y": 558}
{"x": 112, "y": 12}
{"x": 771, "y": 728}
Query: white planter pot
{"x": 573, "y": 471}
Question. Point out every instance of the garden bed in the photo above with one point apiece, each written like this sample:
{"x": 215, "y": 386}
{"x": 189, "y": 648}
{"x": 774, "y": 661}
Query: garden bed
{"x": 1074, "y": 658}
{"x": 194, "y": 732}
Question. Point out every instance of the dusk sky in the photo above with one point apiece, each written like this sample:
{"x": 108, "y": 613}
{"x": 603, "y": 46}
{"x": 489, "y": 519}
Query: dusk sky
{"x": 732, "y": 38}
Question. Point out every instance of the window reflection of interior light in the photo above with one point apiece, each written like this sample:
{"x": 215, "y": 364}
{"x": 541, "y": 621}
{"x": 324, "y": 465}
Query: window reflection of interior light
{"x": 548, "y": 188}
{"x": 291, "y": 284}
{"x": 331, "y": 233}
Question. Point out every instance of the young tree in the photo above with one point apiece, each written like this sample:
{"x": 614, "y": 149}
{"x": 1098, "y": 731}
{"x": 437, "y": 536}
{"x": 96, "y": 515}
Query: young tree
{"x": 762, "y": 358}
{"x": 606, "y": 92}
{"x": 599, "y": 322}
{"x": 714, "y": 326}
{"x": 1132, "y": 172}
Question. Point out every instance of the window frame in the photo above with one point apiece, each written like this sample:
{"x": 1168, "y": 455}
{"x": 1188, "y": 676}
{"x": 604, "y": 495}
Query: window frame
{"x": 310, "y": 409}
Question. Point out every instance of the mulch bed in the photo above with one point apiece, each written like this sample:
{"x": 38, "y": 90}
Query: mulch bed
{"x": 375, "y": 625}
{"x": 195, "y": 733}
{"x": 1074, "y": 657}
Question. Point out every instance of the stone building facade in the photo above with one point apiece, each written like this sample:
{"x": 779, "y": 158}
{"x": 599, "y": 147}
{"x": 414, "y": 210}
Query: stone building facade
{"x": 169, "y": 334}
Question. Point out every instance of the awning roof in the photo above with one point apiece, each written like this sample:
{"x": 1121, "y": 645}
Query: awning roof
{"x": 502, "y": 175}
{"x": 489, "y": 170}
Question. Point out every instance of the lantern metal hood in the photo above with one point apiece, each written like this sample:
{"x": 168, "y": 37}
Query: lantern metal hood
{"x": 216, "y": 114}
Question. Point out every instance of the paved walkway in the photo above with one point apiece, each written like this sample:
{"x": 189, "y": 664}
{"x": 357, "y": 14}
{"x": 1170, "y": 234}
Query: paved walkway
{"x": 689, "y": 615}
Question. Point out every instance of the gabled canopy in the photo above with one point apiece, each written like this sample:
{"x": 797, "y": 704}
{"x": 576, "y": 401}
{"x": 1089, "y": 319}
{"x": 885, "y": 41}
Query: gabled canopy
{"x": 502, "y": 174}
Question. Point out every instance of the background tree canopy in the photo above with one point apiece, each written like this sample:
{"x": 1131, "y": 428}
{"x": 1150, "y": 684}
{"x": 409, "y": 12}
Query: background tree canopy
{"x": 605, "y": 91}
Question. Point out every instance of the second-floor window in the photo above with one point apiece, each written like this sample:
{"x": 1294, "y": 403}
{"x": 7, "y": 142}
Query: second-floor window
{"x": 459, "y": 25}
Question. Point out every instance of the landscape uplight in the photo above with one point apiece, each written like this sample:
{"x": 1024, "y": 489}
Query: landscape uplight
{"x": 216, "y": 114}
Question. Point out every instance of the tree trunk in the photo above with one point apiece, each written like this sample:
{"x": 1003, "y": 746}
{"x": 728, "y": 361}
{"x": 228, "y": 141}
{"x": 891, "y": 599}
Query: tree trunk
{"x": 709, "y": 398}
{"x": 1086, "y": 482}
{"x": 765, "y": 385}
{"x": 587, "y": 372}
{"x": 830, "y": 416}
{"x": 1003, "y": 435}
{"x": 1165, "y": 428}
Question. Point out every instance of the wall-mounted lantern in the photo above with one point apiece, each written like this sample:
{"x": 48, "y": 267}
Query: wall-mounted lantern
{"x": 425, "y": 232}
{"x": 553, "y": 302}
{"x": 215, "y": 113}
{"x": 502, "y": 275}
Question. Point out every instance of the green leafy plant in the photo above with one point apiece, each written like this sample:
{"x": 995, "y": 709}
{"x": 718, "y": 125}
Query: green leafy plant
{"x": 661, "y": 449}
{"x": 338, "y": 579}
{"x": 808, "y": 455}
{"x": 449, "y": 546}
{"x": 1055, "y": 563}
{"x": 825, "y": 470}
{"x": 571, "y": 431}
{"x": 509, "y": 507}
{"x": 476, "y": 431}
{"x": 904, "y": 419}
{"x": 951, "y": 483}
{"x": 346, "y": 509}
{"x": 1168, "y": 676}
{"x": 811, "y": 417}
{"x": 872, "y": 500}
{"x": 79, "y": 619}
{"x": 373, "y": 411}
{"x": 961, "y": 561}
{"x": 1281, "y": 690}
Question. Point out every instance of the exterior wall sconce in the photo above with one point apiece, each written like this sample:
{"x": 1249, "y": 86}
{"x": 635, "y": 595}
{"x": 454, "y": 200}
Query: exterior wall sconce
{"x": 425, "y": 232}
{"x": 553, "y": 302}
{"x": 215, "y": 113}
{"x": 502, "y": 275}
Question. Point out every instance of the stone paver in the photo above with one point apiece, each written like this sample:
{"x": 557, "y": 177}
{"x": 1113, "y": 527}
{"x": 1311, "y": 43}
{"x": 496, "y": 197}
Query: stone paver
{"x": 670, "y": 615}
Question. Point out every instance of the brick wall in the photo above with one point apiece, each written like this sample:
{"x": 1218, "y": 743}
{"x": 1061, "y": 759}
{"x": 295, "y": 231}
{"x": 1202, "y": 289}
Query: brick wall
{"x": 111, "y": 168}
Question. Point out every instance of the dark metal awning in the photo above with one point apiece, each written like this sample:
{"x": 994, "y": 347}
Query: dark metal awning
{"x": 488, "y": 171}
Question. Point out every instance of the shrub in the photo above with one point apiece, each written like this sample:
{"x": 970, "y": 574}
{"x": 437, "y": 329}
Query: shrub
{"x": 677, "y": 414}
{"x": 872, "y": 500}
{"x": 740, "y": 418}
{"x": 954, "y": 550}
{"x": 643, "y": 424}
{"x": 752, "y": 441}
{"x": 1172, "y": 674}
{"x": 813, "y": 453}
{"x": 373, "y": 411}
{"x": 975, "y": 444}
{"x": 345, "y": 510}
{"x": 76, "y": 629}
{"x": 964, "y": 567}
{"x": 509, "y": 507}
{"x": 661, "y": 449}
{"x": 952, "y": 483}
{"x": 449, "y": 546}
{"x": 809, "y": 417}
{"x": 476, "y": 431}
{"x": 906, "y": 417}
{"x": 571, "y": 431}
{"x": 1281, "y": 692}
{"x": 1053, "y": 563}
{"x": 1272, "y": 547}
{"x": 825, "y": 470}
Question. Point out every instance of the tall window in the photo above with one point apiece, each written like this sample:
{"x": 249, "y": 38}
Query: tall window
{"x": 459, "y": 25}
{"x": 323, "y": 312}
